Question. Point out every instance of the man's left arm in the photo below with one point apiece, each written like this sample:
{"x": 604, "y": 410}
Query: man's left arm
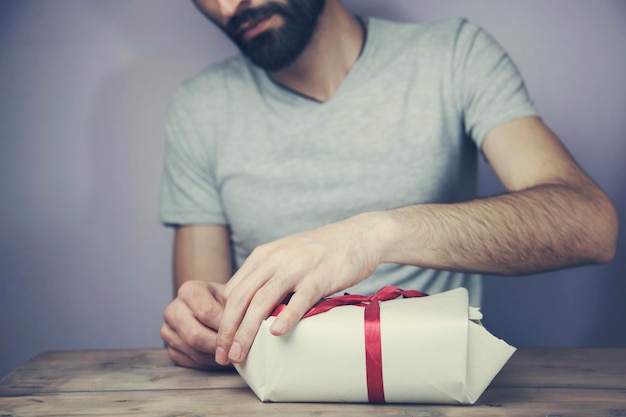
{"x": 552, "y": 216}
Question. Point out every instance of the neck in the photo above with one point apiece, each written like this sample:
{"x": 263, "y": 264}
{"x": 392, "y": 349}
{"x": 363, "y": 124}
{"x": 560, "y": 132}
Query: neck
{"x": 321, "y": 68}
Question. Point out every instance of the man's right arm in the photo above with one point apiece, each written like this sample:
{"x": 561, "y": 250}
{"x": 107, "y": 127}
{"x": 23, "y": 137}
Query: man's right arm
{"x": 202, "y": 252}
{"x": 202, "y": 265}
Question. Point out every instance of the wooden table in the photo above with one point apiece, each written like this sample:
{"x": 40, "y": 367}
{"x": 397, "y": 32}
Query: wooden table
{"x": 535, "y": 382}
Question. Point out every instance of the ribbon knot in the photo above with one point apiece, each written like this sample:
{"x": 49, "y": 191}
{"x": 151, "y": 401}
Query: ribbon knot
{"x": 373, "y": 347}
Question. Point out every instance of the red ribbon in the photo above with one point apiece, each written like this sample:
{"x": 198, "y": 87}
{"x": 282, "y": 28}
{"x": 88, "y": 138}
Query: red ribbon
{"x": 373, "y": 348}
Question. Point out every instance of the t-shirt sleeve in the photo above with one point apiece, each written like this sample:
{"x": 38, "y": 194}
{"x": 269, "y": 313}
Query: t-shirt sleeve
{"x": 189, "y": 193}
{"x": 489, "y": 86}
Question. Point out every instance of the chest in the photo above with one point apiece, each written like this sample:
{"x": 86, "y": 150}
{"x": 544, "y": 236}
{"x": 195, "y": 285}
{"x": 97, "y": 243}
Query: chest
{"x": 278, "y": 176}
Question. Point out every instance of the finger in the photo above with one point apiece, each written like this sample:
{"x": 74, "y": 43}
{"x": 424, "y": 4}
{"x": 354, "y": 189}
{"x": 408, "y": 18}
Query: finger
{"x": 184, "y": 324}
{"x": 234, "y": 311}
{"x": 301, "y": 301}
{"x": 204, "y": 304}
{"x": 181, "y": 359}
{"x": 231, "y": 318}
{"x": 171, "y": 338}
{"x": 255, "y": 263}
{"x": 262, "y": 304}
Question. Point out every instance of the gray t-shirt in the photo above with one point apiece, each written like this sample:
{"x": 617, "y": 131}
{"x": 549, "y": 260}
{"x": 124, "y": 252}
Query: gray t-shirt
{"x": 403, "y": 128}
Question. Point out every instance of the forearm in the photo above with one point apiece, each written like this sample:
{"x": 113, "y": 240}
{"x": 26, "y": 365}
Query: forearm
{"x": 542, "y": 228}
{"x": 201, "y": 252}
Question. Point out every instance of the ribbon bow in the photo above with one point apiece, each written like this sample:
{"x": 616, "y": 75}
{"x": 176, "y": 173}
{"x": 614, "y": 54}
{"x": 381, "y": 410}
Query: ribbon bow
{"x": 373, "y": 348}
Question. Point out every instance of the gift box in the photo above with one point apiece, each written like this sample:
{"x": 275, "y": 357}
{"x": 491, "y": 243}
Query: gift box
{"x": 396, "y": 347}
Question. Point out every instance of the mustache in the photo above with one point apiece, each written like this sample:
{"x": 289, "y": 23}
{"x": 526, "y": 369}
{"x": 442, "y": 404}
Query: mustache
{"x": 252, "y": 14}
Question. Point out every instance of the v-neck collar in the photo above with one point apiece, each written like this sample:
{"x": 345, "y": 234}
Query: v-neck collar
{"x": 290, "y": 97}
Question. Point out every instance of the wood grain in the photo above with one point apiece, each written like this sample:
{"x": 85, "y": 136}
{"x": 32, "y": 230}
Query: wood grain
{"x": 555, "y": 382}
{"x": 109, "y": 370}
{"x": 565, "y": 368}
{"x": 531, "y": 402}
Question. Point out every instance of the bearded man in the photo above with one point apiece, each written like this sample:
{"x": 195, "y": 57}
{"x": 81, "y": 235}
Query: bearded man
{"x": 340, "y": 154}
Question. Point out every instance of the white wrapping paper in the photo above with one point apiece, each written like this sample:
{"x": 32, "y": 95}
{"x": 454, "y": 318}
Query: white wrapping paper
{"x": 433, "y": 351}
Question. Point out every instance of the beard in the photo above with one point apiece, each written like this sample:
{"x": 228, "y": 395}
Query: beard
{"x": 275, "y": 49}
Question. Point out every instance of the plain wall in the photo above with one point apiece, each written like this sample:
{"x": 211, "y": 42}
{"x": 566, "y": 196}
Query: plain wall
{"x": 84, "y": 84}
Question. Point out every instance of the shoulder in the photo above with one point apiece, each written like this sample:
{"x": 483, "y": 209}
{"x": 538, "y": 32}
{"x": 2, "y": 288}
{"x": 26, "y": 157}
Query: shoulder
{"x": 438, "y": 36}
{"x": 202, "y": 105}
{"x": 215, "y": 84}
{"x": 428, "y": 48}
{"x": 445, "y": 29}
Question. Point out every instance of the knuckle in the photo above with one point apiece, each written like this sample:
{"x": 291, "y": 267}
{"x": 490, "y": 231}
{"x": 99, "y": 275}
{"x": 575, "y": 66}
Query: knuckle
{"x": 184, "y": 289}
{"x": 189, "y": 290}
{"x": 168, "y": 313}
{"x": 310, "y": 293}
{"x": 235, "y": 292}
{"x": 164, "y": 334}
{"x": 271, "y": 288}
{"x": 225, "y": 333}
{"x": 206, "y": 312}
{"x": 247, "y": 332}
{"x": 238, "y": 296}
{"x": 193, "y": 339}
{"x": 265, "y": 299}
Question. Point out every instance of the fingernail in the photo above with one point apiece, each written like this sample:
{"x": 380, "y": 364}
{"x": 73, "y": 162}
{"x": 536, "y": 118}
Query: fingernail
{"x": 278, "y": 327}
{"x": 235, "y": 352}
{"x": 220, "y": 356}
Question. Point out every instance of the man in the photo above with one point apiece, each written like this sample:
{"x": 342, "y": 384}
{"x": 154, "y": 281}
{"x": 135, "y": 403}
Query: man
{"x": 341, "y": 154}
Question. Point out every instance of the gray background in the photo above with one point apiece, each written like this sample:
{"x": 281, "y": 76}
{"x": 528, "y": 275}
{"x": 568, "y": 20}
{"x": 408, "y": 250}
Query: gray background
{"x": 84, "y": 85}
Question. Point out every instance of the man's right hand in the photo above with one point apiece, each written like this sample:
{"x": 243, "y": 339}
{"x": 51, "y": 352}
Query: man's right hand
{"x": 191, "y": 323}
